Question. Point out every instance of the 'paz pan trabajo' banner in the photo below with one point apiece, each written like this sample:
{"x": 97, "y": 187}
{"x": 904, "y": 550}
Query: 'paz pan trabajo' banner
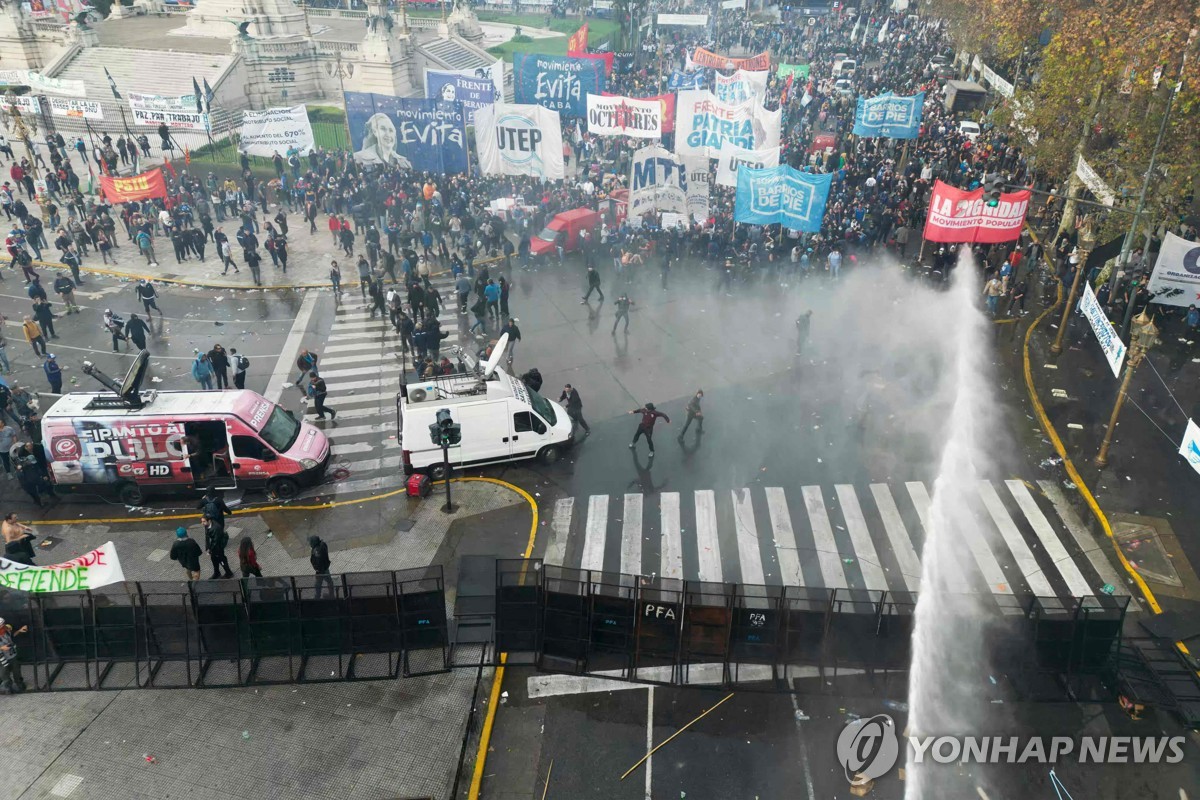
{"x": 100, "y": 567}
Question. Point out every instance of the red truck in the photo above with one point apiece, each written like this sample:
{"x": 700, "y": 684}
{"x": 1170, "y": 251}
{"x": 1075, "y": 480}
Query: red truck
{"x": 564, "y": 230}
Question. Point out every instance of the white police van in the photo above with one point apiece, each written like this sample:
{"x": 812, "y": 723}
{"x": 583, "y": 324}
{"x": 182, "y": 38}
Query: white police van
{"x": 501, "y": 418}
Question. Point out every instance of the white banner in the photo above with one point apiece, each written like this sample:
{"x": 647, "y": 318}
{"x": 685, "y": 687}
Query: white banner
{"x": 692, "y": 20}
{"x": 1094, "y": 182}
{"x": 177, "y": 112}
{"x": 40, "y": 84}
{"x": 703, "y": 124}
{"x": 275, "y": 130}
{"x": 1110, "y": 343}
{"x": 624, "y": 116}
{"x": 740, "y": 87}
{"x": 25, "y": 103}
{"x": 100, "y": 567}
{"x": 519, "y": 139}
{"x": 1176, "y": 277}
{"x": 657, "y": 182}
{"x": 698, "y": 176}
{"x": 80, "y": 109}
{"x": 1190, "y": 447}
{"x": 732, "y": 157}
{"x": 733, "y": 3}
{"x": 495, "y": 72}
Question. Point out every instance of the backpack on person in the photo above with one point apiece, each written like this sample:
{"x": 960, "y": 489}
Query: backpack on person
{"x": 243, "y": 363}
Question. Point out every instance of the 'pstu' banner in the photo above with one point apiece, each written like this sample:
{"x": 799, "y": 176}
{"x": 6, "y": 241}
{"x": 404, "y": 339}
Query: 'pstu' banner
{"x": 890, "y": 116}
{"x": 559, "y": 83}
{"x": 782, "y": 195}
{"x": 424, "y": 135}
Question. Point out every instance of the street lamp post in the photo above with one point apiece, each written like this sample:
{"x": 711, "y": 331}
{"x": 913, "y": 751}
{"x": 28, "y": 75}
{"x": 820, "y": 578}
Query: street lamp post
{"x": 1145, "y": 336}
{"x": 22, "y": 131}
{"x": 1086, "y": 238}
{"x": 341, "y": 76}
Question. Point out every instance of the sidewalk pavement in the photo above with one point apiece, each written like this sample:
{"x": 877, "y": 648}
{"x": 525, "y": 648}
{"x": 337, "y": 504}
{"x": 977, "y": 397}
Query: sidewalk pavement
{"x": 360, "y": 741}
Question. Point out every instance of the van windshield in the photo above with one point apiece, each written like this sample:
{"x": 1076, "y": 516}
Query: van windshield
{"x": 280, "y": 431}
{"x": 542, "y": 407}
{"x": 549, "y": 234}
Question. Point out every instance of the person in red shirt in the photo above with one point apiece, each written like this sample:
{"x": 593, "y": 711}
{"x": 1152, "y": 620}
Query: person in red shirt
{"x": 645, "y": 428}
{"x": 248, "y": 559}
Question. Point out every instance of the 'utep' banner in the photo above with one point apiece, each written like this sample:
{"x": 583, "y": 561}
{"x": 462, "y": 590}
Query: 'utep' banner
{"x": 698, "y": 177}
{"x": 100, "y": 567}
{"x": 624, "y": 116}
{"x": 136, "y": 187}
{"x": 1110, "y": 343}
{"x": 423, "y": 135}
{"x": 577, "y": 42}
{"x": 559, "y": 83}
{"x": 276, "y": 130}
{"x": 1176, "y": 277}
{"x": 519, "y": 140}
{"x": 473, "y": 91}
{"x": 680, "y": 81}
{"x": 740, "y": 87}
{"x": 960, "y": 216}
{"x": 732, "y": 158}
{"x": 782, "y": 195}
{"x": 704, "y": 124}
{"x": 707, "y": 58}
{"x": 657, "y": 182}
{"x": 889, "y": 115}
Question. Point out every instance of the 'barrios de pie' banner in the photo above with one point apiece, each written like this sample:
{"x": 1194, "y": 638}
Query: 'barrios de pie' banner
{"x": 276, "y": 130}
{"x": 956, "y": 215}
{"x": 889, "y": 115}
{"x": 559, "y": 83}
{"x": 136, "y": 187}
{"x": 707, "y": 58}
{"x": 704, "y": 124}
{"x": 100, "y": 567}
{"x": 732, "y": 158}
{"x": 782, "y": 195}
{"x": 519, "y": 139}
{"x": 424, "y": 135}
{"x": 624, "y": 116}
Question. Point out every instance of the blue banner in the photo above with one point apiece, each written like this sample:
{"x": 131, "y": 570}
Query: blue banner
{"x": 559, "y": 83}
{"x": 423, "y": 135}
{"x": 474, "y": 93}
{"x": 686, "y": 80}
{"x": 889, "y": 115}
{"x": 782, "y": 195}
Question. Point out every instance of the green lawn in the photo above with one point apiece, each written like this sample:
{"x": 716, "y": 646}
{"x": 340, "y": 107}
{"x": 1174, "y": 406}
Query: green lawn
{"x": 599, "y": 30}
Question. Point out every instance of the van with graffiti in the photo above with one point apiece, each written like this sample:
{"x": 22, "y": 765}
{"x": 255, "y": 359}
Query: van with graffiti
{"x": 136, "y": 444}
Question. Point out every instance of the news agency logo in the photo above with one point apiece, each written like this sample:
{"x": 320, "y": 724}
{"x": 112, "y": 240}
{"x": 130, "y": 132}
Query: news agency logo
{"x": 868, "y": 748}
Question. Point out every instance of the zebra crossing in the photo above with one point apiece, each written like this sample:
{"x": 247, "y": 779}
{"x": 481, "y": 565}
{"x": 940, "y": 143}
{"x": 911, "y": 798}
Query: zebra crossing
{"x": 1027, "y": 538}
{"x": 360, "y": 363}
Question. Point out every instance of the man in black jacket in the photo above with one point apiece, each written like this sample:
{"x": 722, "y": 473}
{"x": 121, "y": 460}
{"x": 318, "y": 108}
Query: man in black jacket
{"x": 136, "y": 329}
{"x": 219, "y": 360}
{"x": 187, "y": 553}
{"x": 593, "y": 282}
{"x": 319, "y": 558}
{"x": 215, "y": 542}
{"x": 570, "y": 396}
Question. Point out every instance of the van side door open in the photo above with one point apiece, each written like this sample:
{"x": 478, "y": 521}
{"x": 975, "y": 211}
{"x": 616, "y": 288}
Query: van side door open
{"x": 206, "y": 447}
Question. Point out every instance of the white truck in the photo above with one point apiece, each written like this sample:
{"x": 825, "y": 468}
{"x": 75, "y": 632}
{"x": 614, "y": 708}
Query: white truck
{"x": 501, "y": 418}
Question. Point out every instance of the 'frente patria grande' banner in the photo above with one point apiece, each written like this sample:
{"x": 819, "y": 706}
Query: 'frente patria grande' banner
{"x": 624, "y": 116}
{"x": 782, "y": 195}
{"x": 703, "y": 124}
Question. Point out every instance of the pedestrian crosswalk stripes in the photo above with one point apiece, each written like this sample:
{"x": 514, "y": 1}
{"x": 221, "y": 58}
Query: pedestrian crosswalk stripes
{"x": 844, "y": 537}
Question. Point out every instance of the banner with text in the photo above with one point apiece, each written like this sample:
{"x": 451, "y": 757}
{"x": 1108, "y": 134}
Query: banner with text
{"x": 1110, "y": 343}
{"x": 707, "y": 58}
{"x": 698, "y": 177}
{"x": 687, "y": 80}
{"x": 624, "y": 116}
{"x": 25, "y": 103}
{"x": 577, "y": 42}
{"x": 684, "y": 20}
{"x": 276, "y": 130}
{"x": 423, "y": 135}
{"x": 889, "y": 115}
{"x": 667, "y": 101}
{"x": 178, "y": 113}
{"x": 732, "y": 158}
{"x": 704, "y": 124}
{"x": 657, "y": 182}
{"x": 1189, "y": 448}
{"x": 40, "y": 84}
{"x": 740, "y": 87}
{"x": 956, "y": 215}
{"x": 559, "y": 83}
{"x": 80, "y": 109}
{"x": 799, "y": 70}
{"x": 136, "y": 187}
{"x": 494, "y": 71}
{"x": 94, "y": 569}
{"x": 472, "y": 91}
{"x": 1176, "y": 277}
{"x": 782, "y": 195}
{"x": 517, "y": 139}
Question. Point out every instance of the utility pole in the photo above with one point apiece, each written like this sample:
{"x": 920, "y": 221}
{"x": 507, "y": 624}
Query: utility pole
{"x": 1145, "y": 336}
{"x": 341, "y": 76}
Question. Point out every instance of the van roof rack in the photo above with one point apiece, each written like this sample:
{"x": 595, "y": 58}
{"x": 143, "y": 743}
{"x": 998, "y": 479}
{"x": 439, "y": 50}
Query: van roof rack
{"x": 128, "y": 392}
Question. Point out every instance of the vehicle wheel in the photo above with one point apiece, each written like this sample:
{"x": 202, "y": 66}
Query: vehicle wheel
{"x": 437, "y": 472}
{"x": 549, "y": 454}
{"x": 284, "y": 488}
{"x": 130, "y": 494}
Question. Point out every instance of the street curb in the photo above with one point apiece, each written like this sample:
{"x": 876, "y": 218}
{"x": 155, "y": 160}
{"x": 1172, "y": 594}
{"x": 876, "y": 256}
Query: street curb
{"x": 1061, "y": 449}
{"x": 56, "y": 265}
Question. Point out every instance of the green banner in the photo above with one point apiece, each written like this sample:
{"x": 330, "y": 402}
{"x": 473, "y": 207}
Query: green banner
{"x": 799, "y": 70}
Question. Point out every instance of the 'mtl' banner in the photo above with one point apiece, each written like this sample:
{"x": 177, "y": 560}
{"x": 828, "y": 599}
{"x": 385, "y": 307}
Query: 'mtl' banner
{"x": 960, "y": 216}
{"x": 707, "y": 58}
{"x": 138, "y": 187}
{"x": 577, "y": 42}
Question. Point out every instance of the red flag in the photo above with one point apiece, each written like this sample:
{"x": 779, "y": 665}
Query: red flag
{"x": 187, "y": 155}
{"x": 787, "y": 89}
{"x": 577, "y": 43}
{"x": 171, "y": 168}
